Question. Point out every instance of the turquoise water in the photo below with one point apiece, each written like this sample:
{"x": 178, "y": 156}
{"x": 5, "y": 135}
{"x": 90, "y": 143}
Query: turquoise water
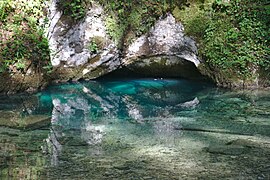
{"x": 135, "y": 129}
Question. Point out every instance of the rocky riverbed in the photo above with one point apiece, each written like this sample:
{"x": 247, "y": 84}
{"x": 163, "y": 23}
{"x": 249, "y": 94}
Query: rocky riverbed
{"x": 133, "y": 129}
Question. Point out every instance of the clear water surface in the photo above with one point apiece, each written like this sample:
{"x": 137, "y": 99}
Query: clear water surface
{"x": 135, "y": 129}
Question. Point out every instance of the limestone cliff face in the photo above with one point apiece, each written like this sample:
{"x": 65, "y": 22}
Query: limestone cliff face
{"x": 84, "y": 49}
{"x": 165, "y": 38}
{"x": 70, "y": 43}
{"x": 164, "y": 51}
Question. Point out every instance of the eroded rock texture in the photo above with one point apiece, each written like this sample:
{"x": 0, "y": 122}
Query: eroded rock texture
{"x": 70, "y": 42}
{"x": 164, "y": 51}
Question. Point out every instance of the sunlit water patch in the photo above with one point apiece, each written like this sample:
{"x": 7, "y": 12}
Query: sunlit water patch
{"x": 135, "y": 129}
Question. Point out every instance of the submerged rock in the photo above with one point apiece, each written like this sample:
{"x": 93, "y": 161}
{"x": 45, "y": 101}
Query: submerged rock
{"x": 4, "y": 157}
{"x": 14, "y": 120}
{"x": 190, "y": 104}
{"x": 227, "y": 149}
{"x": 250, "y": 143}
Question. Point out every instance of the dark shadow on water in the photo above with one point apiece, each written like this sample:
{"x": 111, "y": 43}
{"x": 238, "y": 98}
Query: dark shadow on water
{"x": 125, "y": 73}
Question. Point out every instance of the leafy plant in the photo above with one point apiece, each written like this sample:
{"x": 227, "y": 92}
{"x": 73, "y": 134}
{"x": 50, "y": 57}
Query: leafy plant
{"x": 22, "y": 44}
{"x": 115, "y": 29}
{"x": 48, "y": 68}
{"x": 76, "y": 9}
{"x": 5, "y": 9}
{"x": 236, "y": 38}
{"x": 93, "y": 47}
{"x": 233, "y": 35}
{"x": 134, "y": 18}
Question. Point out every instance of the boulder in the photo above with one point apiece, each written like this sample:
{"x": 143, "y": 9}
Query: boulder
{"x": 11, "y": 83}
{"x": 165, "y": 51}
{"x": 233, "y": 150}
{"x": 14, "y": 120}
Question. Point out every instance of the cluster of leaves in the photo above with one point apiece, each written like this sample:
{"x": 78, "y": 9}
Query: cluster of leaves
{"x": 236, "y": 39}
{"x": 233, "y": 35}
{"x": 195, "y": 17}
{"x": 22, "y": 44}
{"x": 135, "y": 16}
{"x": 93, "y": 47}
{"x": 76, "y": 9}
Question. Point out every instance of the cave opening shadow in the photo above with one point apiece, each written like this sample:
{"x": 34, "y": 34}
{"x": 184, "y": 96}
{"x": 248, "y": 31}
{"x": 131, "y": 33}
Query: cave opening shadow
{"x": 127, "y": 73}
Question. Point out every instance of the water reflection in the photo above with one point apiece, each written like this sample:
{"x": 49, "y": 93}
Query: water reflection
{"x": 53, "y": 146}
{"x": 93, "y": 108}
{"x": 131, "y": 100}
{"x": 143, "y": 127}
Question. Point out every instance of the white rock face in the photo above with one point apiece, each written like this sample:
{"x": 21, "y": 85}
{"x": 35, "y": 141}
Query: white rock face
{"x": 69, "y": 41}
{"x": 165, "y": 38}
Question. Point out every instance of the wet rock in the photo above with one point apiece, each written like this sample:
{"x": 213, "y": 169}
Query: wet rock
{"x": 14, "y": 120}
{"x": 164, "y": 66}
{"x": 8, "y": 118}
{"x": 9, "y": 134}
{"x": 18, "y": 82}
{"x": 190, "y": 104}
{"x": 122, "y": 167}
{"x": 4, "y": 157}
{"x": 249, "y": 143}
{"x": 36, "y": 121}
{"x": 76, "y": 142}
{"x": 232, "y": 150}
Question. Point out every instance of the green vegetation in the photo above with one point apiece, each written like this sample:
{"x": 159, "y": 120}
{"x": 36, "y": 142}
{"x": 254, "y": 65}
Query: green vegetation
{"x": 22, "y": 44}
{"x": 195, "y": 17}
{"x": 93, "y": 47}
{"x": 134, "y": 18}
{"x": 233, "y": 35}
{"x": 96, "y": 44}
{"x": 115, "y": 29}
{"x": 76, "y": 9}
{"x": 237, "y": 38}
